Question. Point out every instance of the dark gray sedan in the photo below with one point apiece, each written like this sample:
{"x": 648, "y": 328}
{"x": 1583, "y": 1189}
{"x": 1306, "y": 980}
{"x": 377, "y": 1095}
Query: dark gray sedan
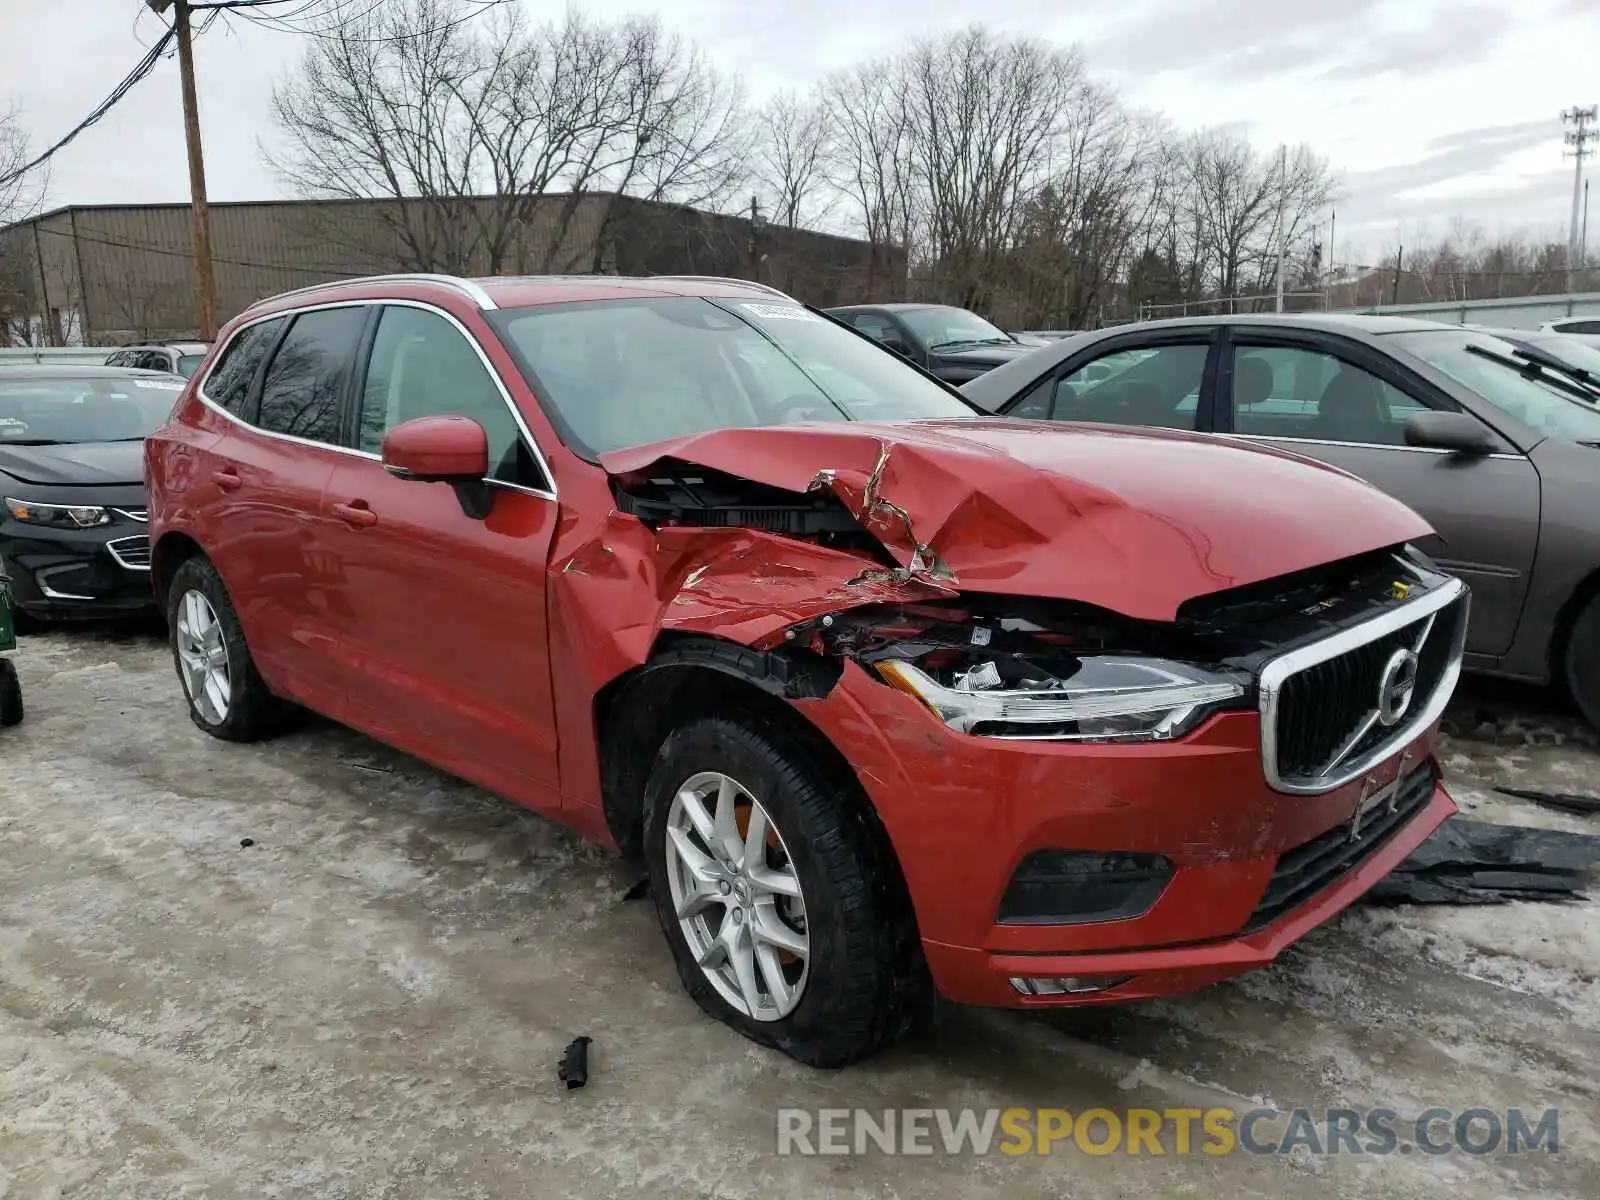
{"x": 1500, "y": 455}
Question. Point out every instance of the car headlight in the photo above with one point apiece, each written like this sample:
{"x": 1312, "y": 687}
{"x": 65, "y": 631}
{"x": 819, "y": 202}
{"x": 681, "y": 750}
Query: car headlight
{"x": 60, "y": 516}
{"x": 1112, "y": 698}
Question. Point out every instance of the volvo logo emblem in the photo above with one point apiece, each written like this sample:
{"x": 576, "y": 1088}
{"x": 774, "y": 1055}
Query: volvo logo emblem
{"x": 1396, "y": 686}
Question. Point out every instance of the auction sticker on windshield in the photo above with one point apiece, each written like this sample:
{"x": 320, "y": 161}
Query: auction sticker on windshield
{"x": 779, "y": 312}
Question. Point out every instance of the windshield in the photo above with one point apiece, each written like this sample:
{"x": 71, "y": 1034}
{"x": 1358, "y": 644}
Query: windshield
{"x": 48, "y": 412}
{"x": 188, "y": 364}
{"x": 1551, "y": 410}
{"x": 937, "y": 327}
{"x": 623, "y": 373}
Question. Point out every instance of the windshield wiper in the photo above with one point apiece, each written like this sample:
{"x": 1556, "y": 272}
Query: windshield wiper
{"x": 1545, "y": 359}
{"x": 1532, "y": 368}
{"x": 1001, "y": 341}
{"x": 5, "y": 441}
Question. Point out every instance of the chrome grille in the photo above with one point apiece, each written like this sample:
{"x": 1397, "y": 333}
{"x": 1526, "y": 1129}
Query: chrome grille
{"x": 1336, "y": 708}
{"x": 131, "y": 552}
{"x": 141, "y": 515}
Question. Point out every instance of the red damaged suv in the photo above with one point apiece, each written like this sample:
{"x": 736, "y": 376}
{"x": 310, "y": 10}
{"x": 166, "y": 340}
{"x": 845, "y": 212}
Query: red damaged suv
{"x": 893, "y": 698}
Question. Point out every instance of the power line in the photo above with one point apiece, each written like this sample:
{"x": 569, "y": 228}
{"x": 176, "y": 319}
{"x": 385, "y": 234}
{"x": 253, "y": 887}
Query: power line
{"x": 141, "y": 70}
{"x": 147, "y": 248}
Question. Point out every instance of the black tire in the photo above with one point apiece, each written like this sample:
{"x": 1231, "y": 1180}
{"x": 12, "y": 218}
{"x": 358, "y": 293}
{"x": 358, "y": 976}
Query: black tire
{"x": 253, "y": 712}
{"x": 10, "y": 694}
{"x": 866, "y": 982}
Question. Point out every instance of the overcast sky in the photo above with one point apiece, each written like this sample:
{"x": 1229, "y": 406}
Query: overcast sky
{"x": 1431, "y": 110}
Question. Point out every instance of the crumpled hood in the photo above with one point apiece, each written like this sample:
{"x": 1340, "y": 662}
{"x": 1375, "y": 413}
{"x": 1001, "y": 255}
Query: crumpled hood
{"x": 1134, "y": 522}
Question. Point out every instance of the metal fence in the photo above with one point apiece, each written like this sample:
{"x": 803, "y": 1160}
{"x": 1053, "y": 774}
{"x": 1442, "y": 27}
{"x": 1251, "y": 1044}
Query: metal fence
{"x": 1517, "y": 312}
{"x": 1228, "y": 305}
{"x": 78, "y": 356}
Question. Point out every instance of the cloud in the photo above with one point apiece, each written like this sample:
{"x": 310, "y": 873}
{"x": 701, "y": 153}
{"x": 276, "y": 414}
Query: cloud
{"x": 1452, "y": 157}
{"x": 1235, "y": 39}
{"x": 1453, "y": 37}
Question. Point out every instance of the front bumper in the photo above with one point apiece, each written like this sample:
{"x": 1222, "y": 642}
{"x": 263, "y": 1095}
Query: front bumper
{"x": 964, "y": 812}
{"x": 66, "y": 574}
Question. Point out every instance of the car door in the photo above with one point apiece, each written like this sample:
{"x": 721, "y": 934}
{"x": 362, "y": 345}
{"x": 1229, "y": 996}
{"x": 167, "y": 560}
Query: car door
{"x": 1339, "y": 401}
{"x": 1154, "y": 379}
{"x": 262, "y": 485}
{"x": 443, "y": 609}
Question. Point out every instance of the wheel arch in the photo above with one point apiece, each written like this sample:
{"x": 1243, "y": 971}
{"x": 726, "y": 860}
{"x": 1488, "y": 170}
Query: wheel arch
{"x": 166, "y": 556}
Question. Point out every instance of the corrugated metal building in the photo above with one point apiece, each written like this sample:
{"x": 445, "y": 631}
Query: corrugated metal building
{"x": 114, "y": 274}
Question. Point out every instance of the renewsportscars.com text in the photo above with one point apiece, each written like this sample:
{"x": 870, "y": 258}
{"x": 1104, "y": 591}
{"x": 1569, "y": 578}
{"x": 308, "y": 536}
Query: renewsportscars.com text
{"x": 1176, "y": 1131}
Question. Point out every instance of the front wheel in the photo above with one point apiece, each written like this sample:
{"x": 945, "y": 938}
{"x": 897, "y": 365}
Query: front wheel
{"x": 770, "y": 887}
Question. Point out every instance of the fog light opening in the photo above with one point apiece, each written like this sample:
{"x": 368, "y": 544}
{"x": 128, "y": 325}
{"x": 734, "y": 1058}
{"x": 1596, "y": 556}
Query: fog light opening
{"x": 1066, "y": 985}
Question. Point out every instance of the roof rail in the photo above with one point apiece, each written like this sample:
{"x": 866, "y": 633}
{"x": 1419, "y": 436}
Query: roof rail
{"x": 749, "y": 283}
{"x": 467, "y": 287}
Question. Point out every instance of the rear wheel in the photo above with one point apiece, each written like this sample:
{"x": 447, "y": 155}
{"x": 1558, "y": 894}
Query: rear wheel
{"x": 10, "y": 694}
{"x": 226, "y": 694}
{"x": 771, "y": 889}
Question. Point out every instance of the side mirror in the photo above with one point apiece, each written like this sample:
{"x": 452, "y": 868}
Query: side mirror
{"x": 1095, "y": 372}
{"x": 1454, "y": 431}
{"x": 453, "y": 450}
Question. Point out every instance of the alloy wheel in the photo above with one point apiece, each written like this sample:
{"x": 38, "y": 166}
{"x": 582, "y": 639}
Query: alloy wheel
{"x": 736, "y": 896}
{"x": 203, "y": 658}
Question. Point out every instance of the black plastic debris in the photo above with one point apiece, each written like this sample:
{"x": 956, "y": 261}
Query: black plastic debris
{"x": 639, "y": 890}
{"x": 575, "y": 1063}
{"x": 1474, "y": 862}
{"x": 246, "y": 843}
{"x": 1568, "y": 802}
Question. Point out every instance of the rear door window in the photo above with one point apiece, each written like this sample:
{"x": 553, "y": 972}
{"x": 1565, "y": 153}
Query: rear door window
{"x": 1146, "y": 385}
{"x": 229, "y": 384}
{"x": 303, "y": 391}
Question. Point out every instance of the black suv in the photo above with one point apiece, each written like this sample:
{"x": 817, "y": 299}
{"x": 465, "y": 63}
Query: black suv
{"x": 952, "y": 343}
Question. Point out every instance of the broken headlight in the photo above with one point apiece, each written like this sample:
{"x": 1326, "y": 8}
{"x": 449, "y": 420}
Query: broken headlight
{"x": 1099, "y": 698}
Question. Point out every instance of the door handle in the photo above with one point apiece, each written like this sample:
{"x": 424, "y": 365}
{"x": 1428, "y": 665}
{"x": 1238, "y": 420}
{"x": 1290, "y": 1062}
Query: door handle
{"x": 228, "y": 479}
{"x": 356, "y": 513}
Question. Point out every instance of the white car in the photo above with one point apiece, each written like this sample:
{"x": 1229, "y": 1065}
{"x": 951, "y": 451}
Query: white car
{"x": 1590, "y": 324}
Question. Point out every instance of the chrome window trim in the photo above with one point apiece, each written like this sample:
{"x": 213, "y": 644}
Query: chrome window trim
{"x": 1274, "y": 437}
{"x": 1278, "y": 670}
{"x": 352, "y": 451}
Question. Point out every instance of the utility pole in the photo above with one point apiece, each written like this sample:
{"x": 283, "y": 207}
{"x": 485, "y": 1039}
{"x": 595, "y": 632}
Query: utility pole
{"x": 1583, "y": 237}
{"x": 1399, "y": 265}
{"x": 756, "y": 222}
{"x": 205, "y": 279}
{"x": 1578, "y": 138}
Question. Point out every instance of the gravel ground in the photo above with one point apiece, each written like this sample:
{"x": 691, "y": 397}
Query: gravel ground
{"x": 369, "y": 1000}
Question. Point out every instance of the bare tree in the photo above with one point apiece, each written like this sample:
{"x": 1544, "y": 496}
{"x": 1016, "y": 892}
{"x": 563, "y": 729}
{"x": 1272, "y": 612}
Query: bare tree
{"x": 872, "y": 163}
{"x": 22, "y": 195}
{"x": 475, "y": 126}
{"x": 793, "y": 141}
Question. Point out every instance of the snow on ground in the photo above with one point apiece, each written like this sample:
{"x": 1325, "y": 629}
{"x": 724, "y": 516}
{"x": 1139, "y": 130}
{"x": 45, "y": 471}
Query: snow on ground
{"x": 369, "y": 1000}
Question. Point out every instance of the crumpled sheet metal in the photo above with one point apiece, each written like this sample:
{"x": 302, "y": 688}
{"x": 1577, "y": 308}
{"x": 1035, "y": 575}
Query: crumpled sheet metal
{"x": 1475, "y": 862}
{"x": 1136, "y": 525}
